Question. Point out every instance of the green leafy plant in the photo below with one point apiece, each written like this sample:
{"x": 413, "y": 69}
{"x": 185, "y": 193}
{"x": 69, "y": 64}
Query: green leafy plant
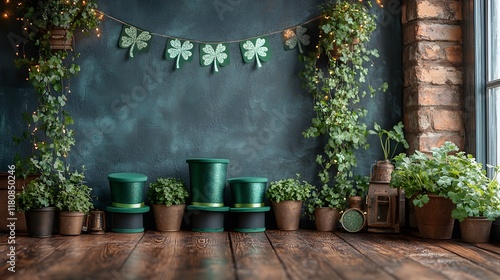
{"x": 38, "y": 193}
{"x": 167, "y": 191}
{"x": 390, "y": 139}
{"x": 74, "y": 195}
{"x": 475, "y": 194}
{"x": 449, "y": 173}
{"x": 335, "y": 75}
{"x": 324, "y": 196}
{"x": 289, "y": 189}
{"x": 361, "y": 184}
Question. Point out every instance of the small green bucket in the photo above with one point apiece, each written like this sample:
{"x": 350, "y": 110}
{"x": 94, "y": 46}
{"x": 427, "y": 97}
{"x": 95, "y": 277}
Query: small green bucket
{"x": 127, "y": 189}
{"x": 207, "y": 177}
{"x": 248, "y": 192}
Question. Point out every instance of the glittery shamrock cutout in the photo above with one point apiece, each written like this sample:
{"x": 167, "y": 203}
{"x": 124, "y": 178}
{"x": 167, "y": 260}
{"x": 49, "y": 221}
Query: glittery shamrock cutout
{"x": 130, "y": 39}
{"x": 179, "y": 50}
{"x": 216, "y": 54}
{"x": 297, "y": 38}
{"x": 257, "y": 49}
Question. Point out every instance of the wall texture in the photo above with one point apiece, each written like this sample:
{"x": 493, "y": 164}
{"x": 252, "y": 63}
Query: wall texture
{"x": 141, "y": 115}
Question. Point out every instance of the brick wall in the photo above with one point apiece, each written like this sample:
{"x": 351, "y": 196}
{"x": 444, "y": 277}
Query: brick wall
{"x": 433, "y": 78}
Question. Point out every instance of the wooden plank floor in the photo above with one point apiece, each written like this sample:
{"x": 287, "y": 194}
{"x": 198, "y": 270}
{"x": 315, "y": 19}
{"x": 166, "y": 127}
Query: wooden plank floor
{"x": 302, "y": 254}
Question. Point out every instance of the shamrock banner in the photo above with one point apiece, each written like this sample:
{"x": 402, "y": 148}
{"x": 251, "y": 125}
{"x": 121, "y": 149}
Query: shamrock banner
{"x": 130, "y": 39}
{"x": 257, "y": 49}
{"x": 181, "y": 51}
{"x": 216, "y": 54}
{"x": 211, "y": 54}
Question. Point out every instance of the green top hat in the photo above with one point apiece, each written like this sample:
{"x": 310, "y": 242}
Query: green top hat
{"x": 127, "y": 189}
{"x": 207, "y": 177}
{"x": 248, "y": 191}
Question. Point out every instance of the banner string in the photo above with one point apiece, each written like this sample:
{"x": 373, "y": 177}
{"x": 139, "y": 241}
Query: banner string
{"x": 206, "y": 42}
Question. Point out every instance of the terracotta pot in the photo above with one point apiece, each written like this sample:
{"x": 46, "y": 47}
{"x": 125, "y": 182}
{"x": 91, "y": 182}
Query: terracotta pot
{"x": 326, "y": 218}
{"x": 287, "y": 214}
{"x": 70, "y": 223}
{"x": 356, "y": 202}
{"x": 59, "y": 40}
{"x": 168, "y": 218}
{"x": 381, "y": 171}
{"x": 475, "y": 229}
{"x": 40, "y": 221}
{"x": 434, "y": 219}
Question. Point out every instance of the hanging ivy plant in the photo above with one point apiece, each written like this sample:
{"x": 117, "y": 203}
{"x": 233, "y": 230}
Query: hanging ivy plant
{"x": 336, "y": 76}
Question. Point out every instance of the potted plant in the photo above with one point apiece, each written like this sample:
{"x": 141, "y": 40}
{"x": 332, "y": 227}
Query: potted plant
{"x": 36, "y": 200}
{"x": 358, "y": 192}
{"x": 336, "y": 76}
{"x": 324, "y": 207}
{"x": 389, "y": 141}
{"x": 287, "y": 196}
{"x": 431, "y": 182}
{"x": 52, "y": 23}
{"x": 168, "y": 196}
{"x": 477, "y": 199}
{"x": 73, "y": 200}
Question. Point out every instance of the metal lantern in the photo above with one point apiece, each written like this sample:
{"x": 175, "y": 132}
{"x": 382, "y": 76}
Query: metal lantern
{"x": 383, "y": 208}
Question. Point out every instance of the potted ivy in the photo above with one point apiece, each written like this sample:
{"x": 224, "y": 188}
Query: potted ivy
{"x": 389, "y": 142}
{"x": 73, "y": 200}
{"x": 36, "y": 200}
{"x": 336, "y": 76}
{"x": 477, "y": 199}
{"x": 52, "y": 23}
{"x": 324, "y": 207}
{"x": 430, "y": 182}
{"x": 168, "y": 196}
{"x": 287, "y": 196}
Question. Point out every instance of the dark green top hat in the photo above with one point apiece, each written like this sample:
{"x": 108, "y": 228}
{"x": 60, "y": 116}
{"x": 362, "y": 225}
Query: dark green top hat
{"x": 207, "y": 177}
{"x": 248, "y": 191}
{"x": 127, "y": 189}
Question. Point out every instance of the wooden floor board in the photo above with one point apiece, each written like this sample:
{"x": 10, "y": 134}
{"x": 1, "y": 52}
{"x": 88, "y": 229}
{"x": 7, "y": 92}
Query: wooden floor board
{"x": 302, "y": 254}
{"x": 388, "y": 257}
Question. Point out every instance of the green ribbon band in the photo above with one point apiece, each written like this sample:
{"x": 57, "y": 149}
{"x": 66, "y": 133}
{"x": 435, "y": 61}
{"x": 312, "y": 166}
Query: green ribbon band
{"x": 207, "y": 204}
{"x": 127, "y": 205}
{"x": 248, "y": 205}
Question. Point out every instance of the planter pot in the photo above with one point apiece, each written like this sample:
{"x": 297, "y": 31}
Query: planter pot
{"x": 287, "y": 214}
{"x": 248, "y": 192}
{"x": 475, "y": 229}
{"x": 40, "y": 221}
{"x": 6, "y": 180}
{"x": 381, "y": 172}
{"x": 251, "y": 219}
{"x": 356, "y": 202}
{"x": 353, "y": 220}
{"x": 59, "y": 40}
{"x": 207, "y": 219}
{"x": 207, "y": 177}
{"x": 70, "y": 223}
{"x": 434, "y": 219}
{"x": 127, "y": 189}
{"x": 127, "y": 220}
{"x": 325, "y": 218}
{"x": 168, "y": 218}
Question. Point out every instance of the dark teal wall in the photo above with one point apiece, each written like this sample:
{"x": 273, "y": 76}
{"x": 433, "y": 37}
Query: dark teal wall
{"x": 141, "y": 115}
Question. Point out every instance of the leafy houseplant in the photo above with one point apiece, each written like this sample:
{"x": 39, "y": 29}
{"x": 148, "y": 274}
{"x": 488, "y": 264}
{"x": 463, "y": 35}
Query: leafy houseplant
{"x": 36, "y": 200}
{"x": 286, "y": 197}
{"x": 335, "y": 75}
{"x": 390, "y": 139}
{"x": 168, "y": 196}
{"x": 449, "y": 174}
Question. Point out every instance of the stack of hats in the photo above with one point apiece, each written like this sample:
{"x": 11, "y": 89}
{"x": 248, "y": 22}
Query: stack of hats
{"x": 248, "y": 194}
{"x": 207, "y": 178}
{"x": 127, "y": 207}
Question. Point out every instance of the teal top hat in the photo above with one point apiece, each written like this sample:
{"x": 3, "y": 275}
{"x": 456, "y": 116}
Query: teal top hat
{"x": 207, "y": 177}
{"x": 127, "y": 189}
{"x": 248, "y": 192}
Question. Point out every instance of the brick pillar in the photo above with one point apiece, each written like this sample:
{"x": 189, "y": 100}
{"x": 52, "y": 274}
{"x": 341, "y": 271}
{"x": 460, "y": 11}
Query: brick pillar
{"x": 433, "y": 79}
